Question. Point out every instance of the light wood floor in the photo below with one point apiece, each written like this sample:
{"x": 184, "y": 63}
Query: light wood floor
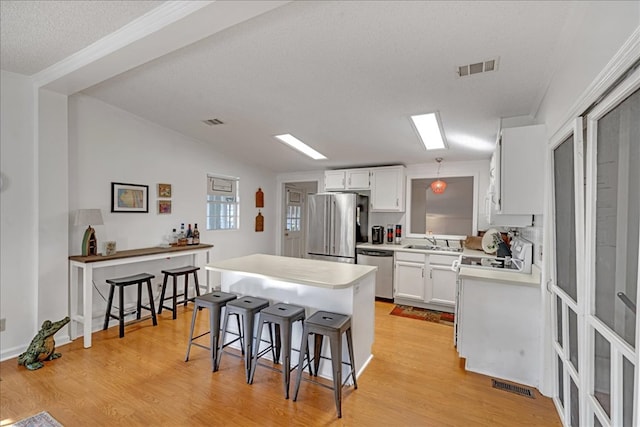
{"x": 415, "y": 379}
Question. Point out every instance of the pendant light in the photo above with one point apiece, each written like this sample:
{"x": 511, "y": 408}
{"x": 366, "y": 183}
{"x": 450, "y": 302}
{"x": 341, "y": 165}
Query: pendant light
{"x": 438, "y": 186}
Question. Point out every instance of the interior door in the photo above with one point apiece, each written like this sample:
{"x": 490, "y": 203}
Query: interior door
{"x": 293, "y": 223}
{"x": 567, "y": 258}
{"x": 612, "y": 230}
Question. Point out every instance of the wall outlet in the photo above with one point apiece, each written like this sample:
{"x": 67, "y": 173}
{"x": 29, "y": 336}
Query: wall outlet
{"x": 3, "y": 325}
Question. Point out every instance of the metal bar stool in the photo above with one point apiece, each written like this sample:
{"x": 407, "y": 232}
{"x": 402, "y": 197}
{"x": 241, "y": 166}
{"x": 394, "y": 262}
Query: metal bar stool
{"x": 213, "y": 301}
{"x": 332, "y": 325}
{"x": 120, "y": 283}
{"x": 282, "y": 316}
{"x": 175, "y": 273}
{"x": 247, "y": 307}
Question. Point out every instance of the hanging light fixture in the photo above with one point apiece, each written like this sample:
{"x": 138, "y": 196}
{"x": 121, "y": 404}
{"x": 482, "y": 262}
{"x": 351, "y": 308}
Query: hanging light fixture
{"x": 438, "y": 186}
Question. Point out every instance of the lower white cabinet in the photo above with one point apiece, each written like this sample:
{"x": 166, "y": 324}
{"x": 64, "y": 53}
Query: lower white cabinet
{"x": 409, "y": 280}
{"x": 425, "y": 280}
{"x": 443, "y": 285}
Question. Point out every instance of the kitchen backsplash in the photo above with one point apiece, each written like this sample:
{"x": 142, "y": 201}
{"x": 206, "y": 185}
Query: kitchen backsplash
{"x": 535, "y": 235}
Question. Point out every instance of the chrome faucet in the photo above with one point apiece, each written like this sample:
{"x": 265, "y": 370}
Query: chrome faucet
{"x": 432, "y": 240}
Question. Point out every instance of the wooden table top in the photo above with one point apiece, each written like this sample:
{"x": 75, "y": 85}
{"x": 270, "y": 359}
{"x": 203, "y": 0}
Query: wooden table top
{"x": 137, "y": 252}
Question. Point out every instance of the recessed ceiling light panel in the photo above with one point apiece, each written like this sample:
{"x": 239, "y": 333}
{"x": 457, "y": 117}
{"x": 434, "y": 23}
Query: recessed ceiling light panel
{"x": 294, "y": 142}
{"x": 429, "y": 129}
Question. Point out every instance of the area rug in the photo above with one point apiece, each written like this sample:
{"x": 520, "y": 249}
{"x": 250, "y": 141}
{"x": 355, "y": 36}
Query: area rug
{"x": 423, "y": 314}
{"x": 43, "y": 419}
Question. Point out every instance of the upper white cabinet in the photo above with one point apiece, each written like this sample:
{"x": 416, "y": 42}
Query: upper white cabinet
{"x": 387, "y": 189}
{"x": 518, "y": 169}
{"x": 347, "y": 179}
{"x": 358, "y": 179}
{"x": 334, "y": 180}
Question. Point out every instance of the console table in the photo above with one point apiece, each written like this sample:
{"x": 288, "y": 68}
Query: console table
{"x": 81, "y": 277}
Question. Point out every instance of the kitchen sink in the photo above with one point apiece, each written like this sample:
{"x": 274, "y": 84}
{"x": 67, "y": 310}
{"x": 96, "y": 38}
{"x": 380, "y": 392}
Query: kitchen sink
{"x": 422, "y": 247}
{"x": 433, "y": 248}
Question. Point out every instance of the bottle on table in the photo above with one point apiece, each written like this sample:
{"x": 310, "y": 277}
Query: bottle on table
{"x": 174, "y": 237}
{"x": 196, "y": 235}
{"x": 182, "y": 236}
{"x": 189, "y": 235}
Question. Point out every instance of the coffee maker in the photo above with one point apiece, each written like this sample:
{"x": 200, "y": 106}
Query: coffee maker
{"x": 377, "y": 234}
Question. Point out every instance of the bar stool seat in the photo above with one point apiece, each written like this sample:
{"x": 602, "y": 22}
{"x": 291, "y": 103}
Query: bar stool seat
{"x": 175, "y": 273}
{"x": 247, "y": 307}
{"x": 120, "y": 283}
{"x": 213, "y": 301}
{"x": 332, "y": 325}
{"x": 282, "y": 316}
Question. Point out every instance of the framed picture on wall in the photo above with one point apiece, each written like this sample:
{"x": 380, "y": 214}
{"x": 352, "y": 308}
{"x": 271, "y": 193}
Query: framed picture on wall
{"x": 164, "y": 206}
{"x": 164, "y": 191}
{"x": 129, "y": 197}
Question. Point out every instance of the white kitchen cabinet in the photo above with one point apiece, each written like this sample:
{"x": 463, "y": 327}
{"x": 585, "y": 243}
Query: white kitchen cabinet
{"x": 334, "y": 180}
{"x": 358, "y": 179}
{"x": 387, "y": 189}
{"x": 347, "y": 179}
{"x": 409, "y": 276}
{"x": 441, "y": 283}
{"x": 409, "y": 280}
{"x": 516, "y": 175}
{"x": 419, "y": 283}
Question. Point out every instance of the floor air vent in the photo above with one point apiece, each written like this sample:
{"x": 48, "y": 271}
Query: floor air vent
{"x": 522, "y": 391}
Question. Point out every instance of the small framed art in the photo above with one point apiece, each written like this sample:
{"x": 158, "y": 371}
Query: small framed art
{"x": 129, "y": 197}
{"x": 164, "y": 191}
{"x": 164, "y": 206}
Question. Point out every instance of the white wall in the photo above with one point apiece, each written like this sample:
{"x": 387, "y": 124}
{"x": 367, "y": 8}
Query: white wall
{"x": 60, "y": 154}
{"x": 107, "y": 145}
{"x": 52, "y": 208}
{"x": 591, "y": 44}
{"x": 18, "y": 229}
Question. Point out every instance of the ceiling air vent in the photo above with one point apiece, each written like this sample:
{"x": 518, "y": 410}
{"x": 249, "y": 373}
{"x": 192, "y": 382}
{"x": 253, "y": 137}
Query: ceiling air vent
{"x": 477, "y": 68}
{"x": 213, "y": 122}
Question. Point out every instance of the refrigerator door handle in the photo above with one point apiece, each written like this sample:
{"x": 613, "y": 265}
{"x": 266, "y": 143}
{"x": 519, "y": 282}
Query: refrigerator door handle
{"x": 332, "y": 226}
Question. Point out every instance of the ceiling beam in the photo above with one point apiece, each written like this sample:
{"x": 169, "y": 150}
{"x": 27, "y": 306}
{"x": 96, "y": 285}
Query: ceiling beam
{"x": 171, "y": 26}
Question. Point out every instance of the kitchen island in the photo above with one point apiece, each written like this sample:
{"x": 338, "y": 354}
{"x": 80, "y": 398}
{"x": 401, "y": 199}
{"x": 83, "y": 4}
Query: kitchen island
{"x": 315, "y": 285}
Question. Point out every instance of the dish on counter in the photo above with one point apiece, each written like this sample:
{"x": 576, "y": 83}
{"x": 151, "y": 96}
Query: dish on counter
{"x": 488, "y": 244}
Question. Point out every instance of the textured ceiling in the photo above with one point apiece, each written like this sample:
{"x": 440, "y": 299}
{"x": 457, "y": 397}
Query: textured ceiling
{"x": 37, "y": 34}
{"x": 345, "y": 77}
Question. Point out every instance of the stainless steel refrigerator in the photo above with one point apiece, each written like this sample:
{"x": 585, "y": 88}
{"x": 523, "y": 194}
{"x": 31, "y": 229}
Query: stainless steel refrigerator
{"x": 336, "y": 222}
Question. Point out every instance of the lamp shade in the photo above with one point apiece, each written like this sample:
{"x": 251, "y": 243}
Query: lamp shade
{"x": 88, "y": 217}
{"x": 438, "y": 186}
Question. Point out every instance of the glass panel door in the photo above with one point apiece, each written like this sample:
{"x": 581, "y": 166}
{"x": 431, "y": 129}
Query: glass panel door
{"x": 567, "y": 219}
{"x": 613, "y": 211}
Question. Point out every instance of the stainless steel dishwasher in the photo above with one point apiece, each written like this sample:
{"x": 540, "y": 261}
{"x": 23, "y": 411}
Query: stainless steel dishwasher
{"x": 384, "y": 276}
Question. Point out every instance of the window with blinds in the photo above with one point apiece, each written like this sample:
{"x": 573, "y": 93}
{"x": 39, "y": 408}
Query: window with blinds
{"x": 223, "y": 203}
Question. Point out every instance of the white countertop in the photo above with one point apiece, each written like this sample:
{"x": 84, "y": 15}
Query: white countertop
{"x": 401, "y": 247}
{"x": 501, "y": 275}
{"x": 325, "y": 274}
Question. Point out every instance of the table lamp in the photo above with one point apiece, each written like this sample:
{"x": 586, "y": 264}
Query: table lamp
{"x": 89, "y": 217}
